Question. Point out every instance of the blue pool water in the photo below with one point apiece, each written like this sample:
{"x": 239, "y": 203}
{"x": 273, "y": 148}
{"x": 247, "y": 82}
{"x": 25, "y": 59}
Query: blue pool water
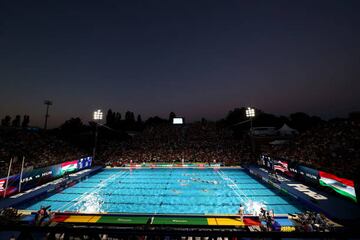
{"x": 197, "y": 191}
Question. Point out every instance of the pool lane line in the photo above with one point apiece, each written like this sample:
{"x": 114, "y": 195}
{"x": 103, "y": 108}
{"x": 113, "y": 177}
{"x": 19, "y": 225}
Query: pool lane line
{"x": 226, "y": 179}
{"x": 65, "y": 207}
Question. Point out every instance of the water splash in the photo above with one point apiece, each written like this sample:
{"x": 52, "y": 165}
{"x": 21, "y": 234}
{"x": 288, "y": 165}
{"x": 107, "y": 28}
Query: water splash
{"x": 253, "y": 207}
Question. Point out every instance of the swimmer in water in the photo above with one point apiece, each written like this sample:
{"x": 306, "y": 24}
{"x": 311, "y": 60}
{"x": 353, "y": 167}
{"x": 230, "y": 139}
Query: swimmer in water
{"x": 205, "y": 190}
{"x": 176, "y": 191}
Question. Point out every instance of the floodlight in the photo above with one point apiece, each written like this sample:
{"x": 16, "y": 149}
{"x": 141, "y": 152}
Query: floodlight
{"x": 98, "y": 115}
{"x": 250, "y": 112}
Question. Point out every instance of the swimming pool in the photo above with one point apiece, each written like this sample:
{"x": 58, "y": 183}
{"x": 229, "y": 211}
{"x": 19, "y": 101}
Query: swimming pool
{"x": 173, "y": 191}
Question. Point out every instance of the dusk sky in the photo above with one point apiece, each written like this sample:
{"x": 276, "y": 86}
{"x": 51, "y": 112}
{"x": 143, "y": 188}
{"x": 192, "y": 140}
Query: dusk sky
{"x": 196, "y": 58}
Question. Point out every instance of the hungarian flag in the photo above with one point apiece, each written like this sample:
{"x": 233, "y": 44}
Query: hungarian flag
{"x": 343, "y": 186}
{"x": 69, "y": 166}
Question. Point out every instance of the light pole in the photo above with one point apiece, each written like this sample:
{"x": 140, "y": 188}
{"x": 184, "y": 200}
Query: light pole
{"x": 98, "y": 116}
{"x": 48, "y": 103}
{"x": 250, "y": 113}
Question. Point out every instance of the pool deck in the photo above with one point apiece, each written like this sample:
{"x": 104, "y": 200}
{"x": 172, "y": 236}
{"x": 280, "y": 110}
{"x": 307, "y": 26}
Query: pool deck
{"x": 158, "y": 220}
{"x": 335, "y": 207}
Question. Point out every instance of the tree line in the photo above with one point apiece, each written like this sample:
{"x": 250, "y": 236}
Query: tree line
{"x": 235, "y": 119}
{"x": 16, "y": 122}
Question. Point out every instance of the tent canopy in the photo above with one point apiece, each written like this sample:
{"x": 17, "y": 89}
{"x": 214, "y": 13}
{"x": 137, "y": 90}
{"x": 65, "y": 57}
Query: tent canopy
{"x": 286, "y": 130}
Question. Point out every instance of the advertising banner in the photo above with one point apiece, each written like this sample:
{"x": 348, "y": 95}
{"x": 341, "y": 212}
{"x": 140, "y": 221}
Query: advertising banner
{"x": 303, "y": 173}
{"x": 308, "y": 174}
{"x": 37, "y": 177}
{"x": 33, "y": 178}
{"x": 342, "y": 186}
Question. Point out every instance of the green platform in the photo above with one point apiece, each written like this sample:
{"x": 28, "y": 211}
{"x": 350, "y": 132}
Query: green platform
{"x": 180, "y": 221}
{"x": 123, "y": 220}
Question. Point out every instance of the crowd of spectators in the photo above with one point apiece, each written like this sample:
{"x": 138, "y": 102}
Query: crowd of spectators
{"x": 333, "y": 146}
{"x": 197, "y": 142}
{"x": 39, "y": 148}
{"x": 313, "y": 222}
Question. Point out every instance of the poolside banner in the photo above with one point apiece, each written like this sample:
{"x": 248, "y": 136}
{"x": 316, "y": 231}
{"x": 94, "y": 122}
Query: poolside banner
{"x": 343, "y": 186}
{"x": 35, "y": 177}
{"x": 307, "y": 174}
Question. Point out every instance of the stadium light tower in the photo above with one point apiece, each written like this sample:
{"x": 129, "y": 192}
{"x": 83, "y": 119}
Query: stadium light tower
{"x": 97, "y": 117}
{"x": 48, "y": 103}
{"x": 250, "y": 113}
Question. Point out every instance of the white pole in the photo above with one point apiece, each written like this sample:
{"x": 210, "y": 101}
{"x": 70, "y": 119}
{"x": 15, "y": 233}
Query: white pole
{"x": 7, "y": 178}
{"x": 21, "y": 173}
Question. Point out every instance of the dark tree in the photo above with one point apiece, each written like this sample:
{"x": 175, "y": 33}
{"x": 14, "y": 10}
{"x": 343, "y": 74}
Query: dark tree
{"x": 172, "y": 115}
{"x": 73, "y": 125}
{"x": 354, "y": 116}
{"x": 284, "y": 120}
{"x": 116, "y": 120}
{"x": 301, "y": 121}
{"x": 26, "y": 121}
{"x": 129, "y": 117}
{"x": 110, "y": 118}
{"x": 203, "y": 121}
{"x": 153, "y": 121}
{"x": 267, "y": 120}
{"x": 16, "y": 121}
{"x": 117, "y": 117}
{"x": 315, "y": 121}
{"x": 235, "y": 116}
{"x": 6, "y": 121}
{"x": 139, "y": 120}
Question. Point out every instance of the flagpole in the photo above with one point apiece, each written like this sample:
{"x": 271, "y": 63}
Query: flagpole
{"x": 21, "y": 173}
{"x": 7, "y": 178}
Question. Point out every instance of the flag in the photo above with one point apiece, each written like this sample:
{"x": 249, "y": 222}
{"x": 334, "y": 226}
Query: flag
{"x": 281, "y": 166}
{"x": 69, "y": 166}
{"x": 343, "y": 186}
{"x": 2, "y": 184}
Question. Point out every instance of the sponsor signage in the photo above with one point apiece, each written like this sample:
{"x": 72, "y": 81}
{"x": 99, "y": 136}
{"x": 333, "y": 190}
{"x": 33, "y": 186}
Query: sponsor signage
{"x": 36, "y": 177}
{"x": 344, "y": 187}
{"x": 305, "y": 189}
{"x": 308, "y": 174}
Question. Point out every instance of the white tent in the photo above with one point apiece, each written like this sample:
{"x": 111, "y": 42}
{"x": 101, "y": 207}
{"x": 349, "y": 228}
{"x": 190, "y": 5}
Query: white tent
{"x": 285, "y": 130}
{"x": 279, "y": 142}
